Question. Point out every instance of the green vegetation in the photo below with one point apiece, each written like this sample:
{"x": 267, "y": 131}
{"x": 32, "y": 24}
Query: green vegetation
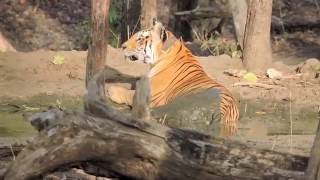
{"x": 218, "y": 46}
{"x": 114, "y": 28}
{"x": 114, "y": 23}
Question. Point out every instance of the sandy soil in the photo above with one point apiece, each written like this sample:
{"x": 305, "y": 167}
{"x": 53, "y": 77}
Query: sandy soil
{"x": 24, "y": 75}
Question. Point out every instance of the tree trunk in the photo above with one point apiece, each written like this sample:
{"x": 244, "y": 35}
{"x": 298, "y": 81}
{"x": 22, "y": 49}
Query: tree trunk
{"x": 238, "y": 9}
{"x": 313, "y": 170}
{"x": 159, "y": 9}
{"x": 23, "y": 2}
{"x": 96, "y": 59}
{"x": 182, "y": 27}
{"x": 148, "y": 12}
{"x": 130, "y": 18}
{"x": 120, "y": 146}
{"x": 257, "y": 55}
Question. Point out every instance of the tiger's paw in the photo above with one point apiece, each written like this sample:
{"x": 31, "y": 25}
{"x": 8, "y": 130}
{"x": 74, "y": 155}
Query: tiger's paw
{"x": 120, "y": 95}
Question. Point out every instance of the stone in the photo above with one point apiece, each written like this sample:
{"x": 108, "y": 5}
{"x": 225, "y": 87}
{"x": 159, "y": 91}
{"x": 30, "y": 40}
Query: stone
{"x": 310, "y": 69}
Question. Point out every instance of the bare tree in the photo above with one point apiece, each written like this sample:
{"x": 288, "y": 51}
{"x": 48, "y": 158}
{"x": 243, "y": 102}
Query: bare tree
{"x": 160, "y": 9}
{"x": 148, "y": 12}
{"x": 257, "y": 55}
{"x": 98, "y": 37}
{"x": 131, "y": 17}
{"x": 239, "y": 10}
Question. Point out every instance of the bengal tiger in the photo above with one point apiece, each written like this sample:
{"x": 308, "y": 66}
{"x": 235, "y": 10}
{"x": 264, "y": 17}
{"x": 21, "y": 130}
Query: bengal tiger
{"x": 174, "y": 72}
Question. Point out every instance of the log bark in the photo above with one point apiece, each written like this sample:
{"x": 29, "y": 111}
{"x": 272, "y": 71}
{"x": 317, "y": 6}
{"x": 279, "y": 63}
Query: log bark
{"x": 98, "y": 38}
{"x": 313, "y": 169}
{"x": 119, "y": 145}
{"x": 141, "y": 99}
{"x": 257, "y": 55}
{"x": 203, "y": 13}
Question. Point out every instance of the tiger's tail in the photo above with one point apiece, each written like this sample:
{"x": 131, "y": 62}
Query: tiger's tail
{"x": 229, "y": 114}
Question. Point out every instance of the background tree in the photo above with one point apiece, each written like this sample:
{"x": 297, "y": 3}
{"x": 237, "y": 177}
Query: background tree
{"x": 239, "y": 10}
{"x": 148, "y": 12}
{"x": 98, "y": 37}
{"x": 160, "y": 9}
{"x": 130, "y": 21}
{"x": 257, "y": 54}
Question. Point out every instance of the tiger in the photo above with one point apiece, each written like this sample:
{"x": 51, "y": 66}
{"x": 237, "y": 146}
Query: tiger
{"x": 174, "y": 72}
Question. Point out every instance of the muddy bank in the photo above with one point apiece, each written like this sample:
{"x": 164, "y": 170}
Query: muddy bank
{"x": 14, "y": 129}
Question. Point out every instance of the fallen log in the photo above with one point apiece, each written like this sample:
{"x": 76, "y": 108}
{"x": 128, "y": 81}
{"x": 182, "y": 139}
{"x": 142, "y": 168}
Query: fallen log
{"x": 7, "y": 155}
{"x": 313, "y": 169}
{"x": 278, "y": 24}
{"x": 203, "y": 13}
{"x": 118, "y": 145}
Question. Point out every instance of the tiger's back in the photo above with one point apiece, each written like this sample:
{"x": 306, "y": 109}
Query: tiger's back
{"x": 178, "y": 73}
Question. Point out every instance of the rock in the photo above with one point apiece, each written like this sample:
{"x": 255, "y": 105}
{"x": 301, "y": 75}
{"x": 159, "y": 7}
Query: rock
{"x": 235, "y": 72}
{"x": 274, "y": 74}
{"x": 283, "y": 68}
{"x": 310, "y": 69}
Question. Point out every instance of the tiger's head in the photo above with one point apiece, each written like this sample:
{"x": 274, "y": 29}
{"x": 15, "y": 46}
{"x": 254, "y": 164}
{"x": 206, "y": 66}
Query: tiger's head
{"x": 146, "y": 45}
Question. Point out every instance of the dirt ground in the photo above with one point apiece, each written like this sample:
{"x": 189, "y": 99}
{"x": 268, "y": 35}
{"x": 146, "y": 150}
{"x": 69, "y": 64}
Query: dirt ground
{"x": 27, "y": 74}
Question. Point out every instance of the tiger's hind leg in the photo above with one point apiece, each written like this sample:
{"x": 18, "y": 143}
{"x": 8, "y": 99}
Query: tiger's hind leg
{"x": 121, "y": 95}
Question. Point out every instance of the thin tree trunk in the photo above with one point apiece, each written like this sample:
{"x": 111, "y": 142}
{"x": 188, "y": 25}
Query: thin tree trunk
{"x": 182, "y": 27}
{"x": 161, "y": 10}
{"x": 130, "y": 23}
{"x": 239, "y": 10}
{"x": 98, "y": 37}
{"x": 164, "y": 8}
{"x": 22, "y": 1}
{"x": 148, "y": 12}
{"x": 257, "y": 55}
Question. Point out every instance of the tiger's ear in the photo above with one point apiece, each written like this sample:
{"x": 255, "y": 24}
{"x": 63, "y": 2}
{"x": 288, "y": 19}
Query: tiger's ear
{"x": 154, "y": 21}
{"x": 163, "y": 34}
{"x": 160, "y": 31}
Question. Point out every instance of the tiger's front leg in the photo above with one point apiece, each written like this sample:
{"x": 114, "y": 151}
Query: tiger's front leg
{"x": 121, "y": 95}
